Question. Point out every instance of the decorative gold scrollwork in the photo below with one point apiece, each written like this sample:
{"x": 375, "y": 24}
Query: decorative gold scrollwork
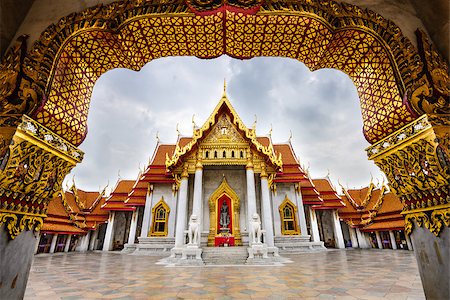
{"x": 435, "y": 223}
{"x": 32, "y": 168}
{"x": 16, "y": 226}
{"x": 430, "y": 92}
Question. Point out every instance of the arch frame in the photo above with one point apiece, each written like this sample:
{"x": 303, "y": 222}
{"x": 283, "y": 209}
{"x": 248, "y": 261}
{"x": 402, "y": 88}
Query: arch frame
{"x": 166, "y": 207}
{"x": 224, "y": 189}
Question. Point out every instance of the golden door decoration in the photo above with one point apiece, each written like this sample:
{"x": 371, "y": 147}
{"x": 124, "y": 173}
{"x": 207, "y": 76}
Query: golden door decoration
{"x": 224, "y": 189}
{"x": 160, "y": 219}
{"x": 288, "y": 217}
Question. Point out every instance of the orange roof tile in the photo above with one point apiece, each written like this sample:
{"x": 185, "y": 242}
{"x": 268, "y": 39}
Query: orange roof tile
{"x": 331, "y": 200}
{"x": 61, "y": 228}
{"x": 159, "y": 156}
{"x": 116, "y": 201}
{"x": 287, "y": 154}
{"x": 387, "y": 225}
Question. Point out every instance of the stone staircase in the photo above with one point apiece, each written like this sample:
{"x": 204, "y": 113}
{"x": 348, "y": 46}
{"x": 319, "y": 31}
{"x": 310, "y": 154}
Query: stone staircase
{"x": 224, "y": 255}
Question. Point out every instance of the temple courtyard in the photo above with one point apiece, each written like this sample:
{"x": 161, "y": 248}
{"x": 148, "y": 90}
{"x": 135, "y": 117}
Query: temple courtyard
{"x": 332, "y": 274}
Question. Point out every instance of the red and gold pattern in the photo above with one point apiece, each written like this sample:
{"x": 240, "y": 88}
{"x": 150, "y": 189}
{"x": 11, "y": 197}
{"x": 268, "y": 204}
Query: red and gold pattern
{"x": 370, "y": 49}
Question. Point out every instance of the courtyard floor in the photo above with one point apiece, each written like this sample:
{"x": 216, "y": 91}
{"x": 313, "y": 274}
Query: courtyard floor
{"x": 335, "y": 274}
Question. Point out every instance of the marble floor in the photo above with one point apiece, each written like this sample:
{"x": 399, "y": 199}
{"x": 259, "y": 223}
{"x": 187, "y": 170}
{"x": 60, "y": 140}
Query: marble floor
{"x": 336, "y": 274}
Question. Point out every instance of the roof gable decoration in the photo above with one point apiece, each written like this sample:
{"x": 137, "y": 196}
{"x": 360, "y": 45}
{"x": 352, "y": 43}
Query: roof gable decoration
{"x": 201, "y": 133}
{"x": 375, "y": 208}
{"x": 366, "y": 200}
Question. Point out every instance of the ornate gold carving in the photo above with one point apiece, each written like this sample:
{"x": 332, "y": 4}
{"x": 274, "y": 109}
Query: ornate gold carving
{"x": 291, "y": 218}
{"x": 430, "y": 91}
{"x": 224, "y": 189}
{"x": 219, "y": 135}
{"x": 319, "y": 33}
{"x": 18, "y": 93}
{"x": 16, "y": 224}
{"x": 156, "y": 218}
{"x": 32, "y": 168}
{"x": 414, "y": 159}
{"x": 374, "y": 210}
{"x": 435, "y": 222}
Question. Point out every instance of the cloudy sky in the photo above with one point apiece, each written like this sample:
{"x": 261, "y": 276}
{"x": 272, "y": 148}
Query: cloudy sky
{"x": 128, "y": 108}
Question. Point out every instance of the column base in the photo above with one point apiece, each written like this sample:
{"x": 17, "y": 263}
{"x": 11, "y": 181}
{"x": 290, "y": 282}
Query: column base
{"x": 433, "y": 259}
{"x": 16, "y": 258}
{"x": 188, "y": 255}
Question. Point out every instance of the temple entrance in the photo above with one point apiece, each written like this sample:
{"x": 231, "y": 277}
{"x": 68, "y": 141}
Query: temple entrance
{"x": 224, "y": 208}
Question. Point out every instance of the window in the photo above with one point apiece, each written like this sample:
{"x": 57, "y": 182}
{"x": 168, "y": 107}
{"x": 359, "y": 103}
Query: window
{"x": 207, "y": 154}
{"x": 289, "y": 224}
{"x": 232, "y": 154}
{"x": 215, "y": 154}
{"x": 224, "y": 154}
{"x": 242, "y": 154}
{"x": 160, "y": 219}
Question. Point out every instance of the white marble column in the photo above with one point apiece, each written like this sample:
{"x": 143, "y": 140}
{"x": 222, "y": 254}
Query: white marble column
{"x": 267, "y": 209}
{"x": 315, "y": 236}
{"x": 338, "y": 236}
{"x": 197, "y": 207}
{"x": 147, "y": 212}
{"x": 53, "y": 244}
{"x": 361, "y": 239}
{"x": 353, "y": 237}
{"x": 67, "y": 245}
{"x": 133, "y": 226}
{"x": 94, "y": 235}
{"x": 379, "y": 243}
{"x": 182, "y": 209}
{"x": 84, "y": 245}
{"x": 109, "y": 235}
{"x": 251, "y": 189}
{"x": 301, "y": 212}
{"x": 393, "y": 243}
{"x": 408, "y": 242}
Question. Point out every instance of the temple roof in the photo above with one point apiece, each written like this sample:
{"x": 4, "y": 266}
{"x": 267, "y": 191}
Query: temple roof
{"x": 117, "y": 198}
{"x": 184, "y": 146}
{"x": 331, "y": 200}
{"x": 74, "y": 212}
{"x": 371, "y": 209}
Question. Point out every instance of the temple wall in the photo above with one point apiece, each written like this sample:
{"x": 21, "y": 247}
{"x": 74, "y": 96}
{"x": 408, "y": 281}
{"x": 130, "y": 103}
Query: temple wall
{"x": 236, "y": 178}
{"x": 283, "y": 190}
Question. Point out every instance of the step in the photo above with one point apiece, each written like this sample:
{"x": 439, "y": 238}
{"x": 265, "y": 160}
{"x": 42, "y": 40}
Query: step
{"x": 224, "y": 255}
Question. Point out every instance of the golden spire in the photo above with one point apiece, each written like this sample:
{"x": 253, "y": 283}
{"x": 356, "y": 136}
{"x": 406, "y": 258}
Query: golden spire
{"x": 290, "y": 137}
{"x": 224, "y": 87}
{"x": 157, "y": 137}
{"x": 270, "y": 131}
{"x": 254, "y": 123}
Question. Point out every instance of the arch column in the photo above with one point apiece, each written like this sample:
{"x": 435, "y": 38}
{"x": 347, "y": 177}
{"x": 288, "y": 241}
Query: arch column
{"x": 133, "y": 226}
{"x": 337, "y": 230}
{"x": 416, "y": 160}
{"x": 392, "y": 238}
{"x": 53, "y": 244}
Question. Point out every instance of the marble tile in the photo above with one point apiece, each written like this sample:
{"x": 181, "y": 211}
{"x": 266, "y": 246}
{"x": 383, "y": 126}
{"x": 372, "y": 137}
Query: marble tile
{"x": 337, "y": 274}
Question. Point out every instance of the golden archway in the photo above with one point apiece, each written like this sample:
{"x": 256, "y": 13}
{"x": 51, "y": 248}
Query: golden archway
{"x": 63, "y": 65}
{"x": 224, "y": 190}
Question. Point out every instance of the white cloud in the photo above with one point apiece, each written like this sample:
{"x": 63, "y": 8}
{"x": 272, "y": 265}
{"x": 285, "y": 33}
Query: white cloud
{"x": 128, "y": 108}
